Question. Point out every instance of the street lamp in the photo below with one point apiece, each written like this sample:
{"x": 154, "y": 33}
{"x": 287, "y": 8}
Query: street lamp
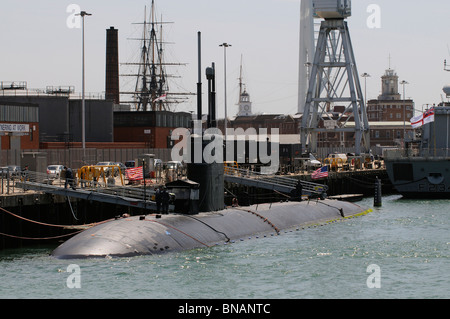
{"x": 404, "y": 108}
{"x": 365, "y": 76}
{"x": 225, "y": 46}
{"x": 83, "y": 105}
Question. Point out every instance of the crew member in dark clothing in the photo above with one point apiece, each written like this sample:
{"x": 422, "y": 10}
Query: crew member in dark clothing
{"x": 158, "y": 199}
{"x": 165, "y": 201}
{"x": 69, "y": 178}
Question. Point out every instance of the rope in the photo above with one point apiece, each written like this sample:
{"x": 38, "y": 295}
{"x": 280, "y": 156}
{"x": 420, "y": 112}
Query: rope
{"x": 71, "y": 209}
{"x": 219, "y": 232}
{"x": 341, "y": 211}
{"x": 50, "y": 225}
{"x": 262, "y": 217}
{"x": 44, "y": 238}
{"x": 166, "y": 225}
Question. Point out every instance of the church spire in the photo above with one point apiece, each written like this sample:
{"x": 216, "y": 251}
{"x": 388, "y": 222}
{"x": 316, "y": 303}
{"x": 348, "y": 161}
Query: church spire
{"x": 245, "y": 105}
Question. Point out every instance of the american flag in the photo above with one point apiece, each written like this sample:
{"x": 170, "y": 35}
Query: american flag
{"x": 321, "y": 172}
{"x": 134, "y": 174}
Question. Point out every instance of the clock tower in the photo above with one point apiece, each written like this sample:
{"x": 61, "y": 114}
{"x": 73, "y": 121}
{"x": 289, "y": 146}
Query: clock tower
{"x": 245, "y": 106}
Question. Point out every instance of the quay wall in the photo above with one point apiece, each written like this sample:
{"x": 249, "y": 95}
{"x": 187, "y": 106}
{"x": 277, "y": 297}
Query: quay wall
{"x": 33, "y": 218}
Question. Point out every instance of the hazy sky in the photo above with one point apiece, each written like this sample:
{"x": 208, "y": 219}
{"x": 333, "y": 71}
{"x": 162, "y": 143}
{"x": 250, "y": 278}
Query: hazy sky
{"x": 37, "y": 46}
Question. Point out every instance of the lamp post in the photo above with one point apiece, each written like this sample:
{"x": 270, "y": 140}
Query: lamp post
{"x": 83, "y": 104}
{"x": 225, "y": 46}
{"x": 365, "y": 76}
{"x": 404, "y": 108}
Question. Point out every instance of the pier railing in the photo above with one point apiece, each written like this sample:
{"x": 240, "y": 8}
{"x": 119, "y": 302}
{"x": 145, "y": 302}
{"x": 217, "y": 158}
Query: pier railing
{"x": 276, "y": 182}
{"x": 131, "y": 196}
{"x": 29, "y": 180}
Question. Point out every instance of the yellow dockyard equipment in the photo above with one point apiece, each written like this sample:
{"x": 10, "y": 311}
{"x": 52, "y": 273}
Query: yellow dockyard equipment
{"x": 90, "y": 175}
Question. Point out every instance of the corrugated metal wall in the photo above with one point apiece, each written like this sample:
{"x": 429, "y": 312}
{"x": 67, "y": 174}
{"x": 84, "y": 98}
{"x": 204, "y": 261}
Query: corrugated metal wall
{"x": 74, "y": 157}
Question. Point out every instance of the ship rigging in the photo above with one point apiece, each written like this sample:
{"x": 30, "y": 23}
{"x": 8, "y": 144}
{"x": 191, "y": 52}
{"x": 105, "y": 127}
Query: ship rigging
{"x": 151, "y": 89}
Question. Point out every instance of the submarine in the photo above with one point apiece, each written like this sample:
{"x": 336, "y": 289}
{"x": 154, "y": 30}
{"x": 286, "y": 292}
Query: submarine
{"x": 156, "y": 234}
{"x": 208, "y": 222}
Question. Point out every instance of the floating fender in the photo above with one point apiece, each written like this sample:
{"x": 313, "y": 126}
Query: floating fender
{"x": 137, "y": 235}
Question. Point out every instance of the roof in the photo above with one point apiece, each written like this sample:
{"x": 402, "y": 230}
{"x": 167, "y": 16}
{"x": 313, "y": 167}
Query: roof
{"x": 282, "y": 138}
{"x": 183, "y": 182}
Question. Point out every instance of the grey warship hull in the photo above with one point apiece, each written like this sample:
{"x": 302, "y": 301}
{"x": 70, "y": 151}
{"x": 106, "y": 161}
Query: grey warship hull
{"x": 420, "y": 177}
{"x": 156, "y": 234}
{"x": 422, "y": 168}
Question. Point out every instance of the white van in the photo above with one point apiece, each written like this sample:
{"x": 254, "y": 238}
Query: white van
{"x": 337, "y": 160}
{"x": 342, "y": 156}
{"x": 174, "y": 165}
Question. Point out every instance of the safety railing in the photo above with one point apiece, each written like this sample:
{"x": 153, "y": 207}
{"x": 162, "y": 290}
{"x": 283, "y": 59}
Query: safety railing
{"x": 35, "y": 178}
{"x": 277, "y": 180}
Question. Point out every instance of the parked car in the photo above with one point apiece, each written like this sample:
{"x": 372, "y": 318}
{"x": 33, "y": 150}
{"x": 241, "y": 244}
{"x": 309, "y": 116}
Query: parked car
{"x": 174, "y": 165}
{"x": 105, "y": 163}
{"x": 4, "y": 171}
{"x": 122, "y": 166}
{"x": 158, "y": 162}
{"x": 14, "y": 170}
{"x": 54, "y": 171}
{"x": 107, "y": 170}
{"x": 313, "y": 163}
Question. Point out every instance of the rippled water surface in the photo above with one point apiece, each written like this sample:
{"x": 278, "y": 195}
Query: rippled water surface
{"x": 407, "y": 240}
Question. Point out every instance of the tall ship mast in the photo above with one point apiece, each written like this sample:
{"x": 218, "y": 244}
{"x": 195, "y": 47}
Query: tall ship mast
{"x": 151, "y": 91}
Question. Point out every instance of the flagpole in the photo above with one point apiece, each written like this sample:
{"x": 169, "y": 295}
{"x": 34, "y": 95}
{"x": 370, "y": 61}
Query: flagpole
{"x": 143, "y": 176}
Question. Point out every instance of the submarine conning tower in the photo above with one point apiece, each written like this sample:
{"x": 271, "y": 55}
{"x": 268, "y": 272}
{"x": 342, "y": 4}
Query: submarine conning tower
{"x": 208, "y": 174}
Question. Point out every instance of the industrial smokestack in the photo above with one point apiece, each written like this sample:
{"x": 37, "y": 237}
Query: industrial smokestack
{"x": 112, "y": 65}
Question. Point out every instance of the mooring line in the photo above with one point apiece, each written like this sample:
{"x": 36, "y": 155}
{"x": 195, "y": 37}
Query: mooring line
{"x": 43, "y": 238}
{"x": 178, "y": 230}
{"x": 217, "y": 231}
{"x": 52, "y": 225}
{"x": 266, "y": 220}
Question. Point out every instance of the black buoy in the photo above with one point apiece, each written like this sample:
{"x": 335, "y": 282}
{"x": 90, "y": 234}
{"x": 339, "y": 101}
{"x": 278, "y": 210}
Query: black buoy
{"x": 377, "y": 196}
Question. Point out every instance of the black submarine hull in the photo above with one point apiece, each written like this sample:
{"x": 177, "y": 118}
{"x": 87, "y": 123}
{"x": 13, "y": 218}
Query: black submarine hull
{"x": 156, "y": 234}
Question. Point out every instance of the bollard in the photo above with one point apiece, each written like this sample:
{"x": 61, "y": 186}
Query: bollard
{"x": 377, "y": 196}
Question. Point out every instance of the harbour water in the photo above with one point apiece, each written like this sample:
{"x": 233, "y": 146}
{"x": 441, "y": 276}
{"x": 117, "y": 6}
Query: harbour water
{"x": 400, "y": 250}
